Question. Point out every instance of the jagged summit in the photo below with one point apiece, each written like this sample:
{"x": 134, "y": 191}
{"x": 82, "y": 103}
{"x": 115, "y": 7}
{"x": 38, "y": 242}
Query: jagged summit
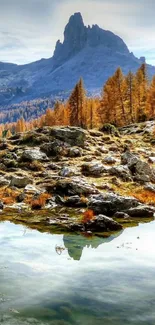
{"x": 77, "y": 36}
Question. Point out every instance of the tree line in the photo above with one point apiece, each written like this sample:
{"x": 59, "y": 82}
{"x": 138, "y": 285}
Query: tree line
{"x": 125, "y": 99}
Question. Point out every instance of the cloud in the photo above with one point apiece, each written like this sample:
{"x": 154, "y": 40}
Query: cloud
{"x": 29, "y": 29}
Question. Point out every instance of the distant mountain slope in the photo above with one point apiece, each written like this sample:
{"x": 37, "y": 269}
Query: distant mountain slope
{"x": 88, "y": 52}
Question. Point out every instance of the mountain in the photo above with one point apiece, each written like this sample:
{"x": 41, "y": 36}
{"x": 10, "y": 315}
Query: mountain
{"x": 88, "y": 52}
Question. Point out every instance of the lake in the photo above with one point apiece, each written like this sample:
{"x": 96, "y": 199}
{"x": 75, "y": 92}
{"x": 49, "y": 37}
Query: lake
{"x": 71, "y": 279}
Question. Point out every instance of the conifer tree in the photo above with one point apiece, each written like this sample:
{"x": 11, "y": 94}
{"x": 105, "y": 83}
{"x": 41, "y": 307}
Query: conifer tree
{"x": 151, "y": 100}
{"x": 77, "y": 104}
{"x": 141, "y": 86}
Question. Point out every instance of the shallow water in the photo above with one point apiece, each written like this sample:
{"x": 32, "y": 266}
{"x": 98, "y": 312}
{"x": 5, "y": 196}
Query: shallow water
{"x": 70, "y": 279}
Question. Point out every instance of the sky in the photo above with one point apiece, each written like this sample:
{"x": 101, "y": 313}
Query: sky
{"x": 29, "y": 29}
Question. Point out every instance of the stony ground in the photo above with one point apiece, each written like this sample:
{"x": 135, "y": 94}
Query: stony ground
{"x": 89, "y": 181}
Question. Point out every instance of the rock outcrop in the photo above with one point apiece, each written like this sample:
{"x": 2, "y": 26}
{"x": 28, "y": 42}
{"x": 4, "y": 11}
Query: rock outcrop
{"x": 63, "y": 172}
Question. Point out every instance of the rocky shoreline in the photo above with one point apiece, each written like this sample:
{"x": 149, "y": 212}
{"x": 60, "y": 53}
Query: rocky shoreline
{"x": 86, "y": 181}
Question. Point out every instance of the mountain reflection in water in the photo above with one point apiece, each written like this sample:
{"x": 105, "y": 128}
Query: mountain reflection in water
{"x": 94, "y": 280}
{"x": 75, "y": 244}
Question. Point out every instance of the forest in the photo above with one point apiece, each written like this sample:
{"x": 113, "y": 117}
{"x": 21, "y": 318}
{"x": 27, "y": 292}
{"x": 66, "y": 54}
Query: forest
{"x": 125, "y": 99}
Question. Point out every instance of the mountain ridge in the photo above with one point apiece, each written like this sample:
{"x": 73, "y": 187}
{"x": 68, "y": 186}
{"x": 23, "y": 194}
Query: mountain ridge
{"x": 89, "y": 52}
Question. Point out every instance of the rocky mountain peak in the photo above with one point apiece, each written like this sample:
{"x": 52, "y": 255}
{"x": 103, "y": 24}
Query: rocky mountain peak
{"x": 74, "y": 39}
{"x": 77, "y": 36}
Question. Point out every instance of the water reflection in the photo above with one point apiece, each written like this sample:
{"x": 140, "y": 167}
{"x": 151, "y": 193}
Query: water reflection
{"x": 93, "y": 281}
{"x": 75, "y": 244}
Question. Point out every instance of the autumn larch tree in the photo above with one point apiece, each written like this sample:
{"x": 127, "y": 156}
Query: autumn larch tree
{"x": 77, "y": 105}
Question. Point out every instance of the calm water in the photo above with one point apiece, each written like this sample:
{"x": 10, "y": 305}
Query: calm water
{"x": 87, "y": 282}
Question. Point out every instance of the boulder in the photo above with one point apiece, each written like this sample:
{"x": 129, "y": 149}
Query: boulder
{"x": 4, "y": 181}
{"x": 141, "y": 211}
{"x": 121, "y": 215}
{"x": 102, "y": 223}
{"x": 33, "y": 154}
{"x": 122, "y": 172}
{"x": 140, "y": 169}
{"x": 20, "y": 181}
{"x": 109, "y": 160}
{"x": 56, "y": 148}
{"x": 70, "y": 187}
{"x": 93, "y": 169}
{"x": 110, "y": 203}
{"x": 74, "y": 136}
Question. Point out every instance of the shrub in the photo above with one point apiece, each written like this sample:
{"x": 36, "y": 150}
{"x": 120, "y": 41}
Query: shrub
{"x": 87, "y": 216}
{"x": 37, "y": 204}
{"x": 110, "y": 129}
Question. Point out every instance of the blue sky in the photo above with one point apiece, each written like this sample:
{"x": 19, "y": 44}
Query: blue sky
{"x": 29, "y": 29}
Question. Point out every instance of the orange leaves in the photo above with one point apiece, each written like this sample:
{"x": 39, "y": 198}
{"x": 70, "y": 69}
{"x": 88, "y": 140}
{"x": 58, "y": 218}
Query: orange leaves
{"x": 88, "y": 216}
{"x": 8, "y": 196}
{"x": 40, "y": 202}
{"x": 146, "y": 197}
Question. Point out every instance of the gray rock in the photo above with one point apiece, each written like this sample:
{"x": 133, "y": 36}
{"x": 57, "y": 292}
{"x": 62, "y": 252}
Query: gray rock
{"x": 141, "y": 170}
{"x": 1, "y": 205}
{"x": 56, "y": 148}
{"x": 31, "y": 189}
{"x": 141, "y": 211}
{"x": 109, "y": 160}
{"x": 74, "y": 136}
{"x": 94, "y": 169}
{"x": 75, "y": 152}
{"x": 67, "y": 172}
{"x": 75, "y": 201}
{"x": 102, "y": 223}
{"x": 4, "y": 181}
{"x": 33, "y": 154}
{"x": 110, "y": 203}
{"x": 72, "y": 186}
{"x": 150, "y": 187}
{"x": 103, "y": 149}
{"x": 121, "y": 215}
{"x": 152, "y": 160}
{"x": 20, "y": 181}
{"x": 122, "y": 172}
